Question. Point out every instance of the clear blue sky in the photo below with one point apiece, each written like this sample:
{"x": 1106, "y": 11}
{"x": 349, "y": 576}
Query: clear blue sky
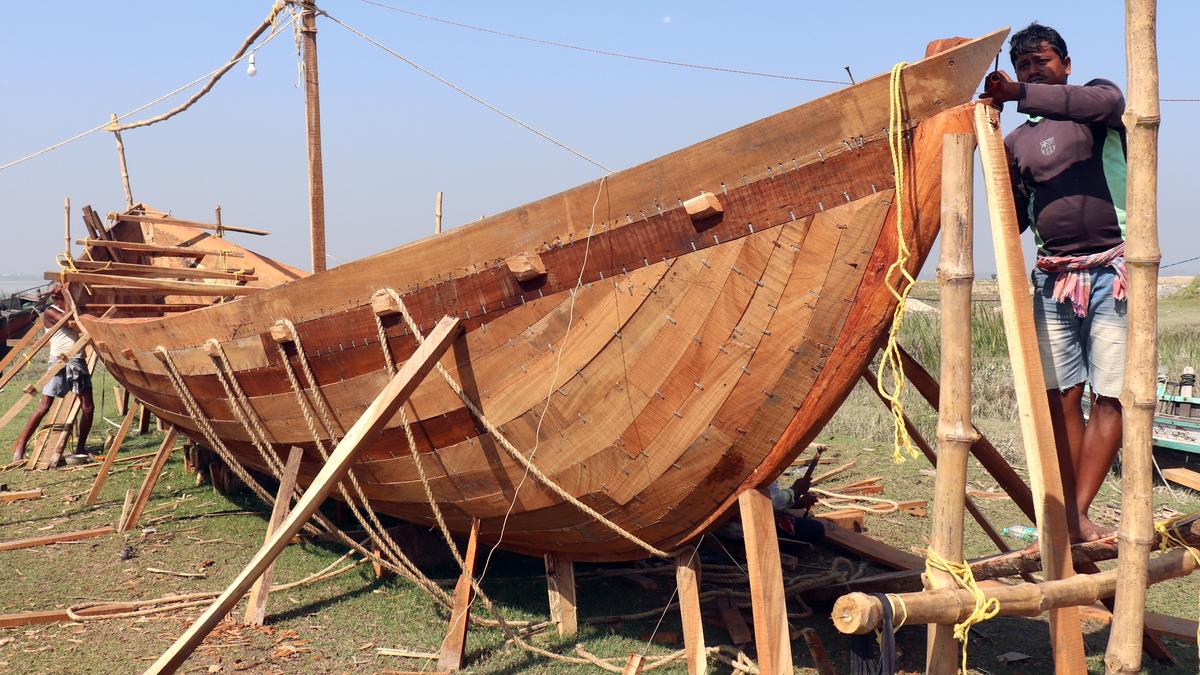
{"x": 393, "y": 137}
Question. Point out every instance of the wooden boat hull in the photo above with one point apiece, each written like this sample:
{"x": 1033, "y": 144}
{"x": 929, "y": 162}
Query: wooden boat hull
{"x": 658, "y": 368}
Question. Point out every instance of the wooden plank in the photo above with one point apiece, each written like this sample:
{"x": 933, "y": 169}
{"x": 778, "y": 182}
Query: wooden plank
{"x": 687, "y": 578}
{"x": 633, "y": 665}
{"x": 174, "y": 287}
{"x": 19, "y": 495}
{"x": 158, "y": 251}
{"x": 816, "y": 648}
{"x": 454, "y": 647}
{"x": 168, "y": 220}
{"x": 1033, "y": 410}
{"x": 139, "y": 307}
{"x": 256, "y": 603}
{"x": 43, "y": 540}
{"x": 161, "y": 271}
{"x": 560, "y": 585}
{"x": 735, "y": 623}
{"x": 1183, "y": 476}
{"x": 152, "y": 473}
{"x": 768, "y": 604}
{"x": 334, "y": 469}
{"x": 110, "y": 457}
{"x": 873, "y": 549}
{"x": 33, "y": 350}
{"x": 19, "y": 619}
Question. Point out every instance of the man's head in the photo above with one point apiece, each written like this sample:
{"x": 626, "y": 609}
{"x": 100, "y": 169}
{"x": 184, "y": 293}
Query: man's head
{"x": 1039, "y": 55}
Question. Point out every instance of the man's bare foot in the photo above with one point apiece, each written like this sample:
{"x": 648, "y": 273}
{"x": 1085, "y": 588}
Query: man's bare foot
{"x": 1089, "y": 531}
{"x": 19, "y": 455}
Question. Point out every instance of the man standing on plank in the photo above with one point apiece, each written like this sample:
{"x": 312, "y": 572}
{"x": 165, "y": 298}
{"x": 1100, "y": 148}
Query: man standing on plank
{"x": 1068, "y": 174}
{"x": 73, "y": 377}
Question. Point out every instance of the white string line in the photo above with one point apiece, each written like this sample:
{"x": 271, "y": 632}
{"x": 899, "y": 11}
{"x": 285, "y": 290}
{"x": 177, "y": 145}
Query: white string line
{"x": 466, "y": 93}
{"x": 602, "y": 52}
{"x": 104, "y": 126}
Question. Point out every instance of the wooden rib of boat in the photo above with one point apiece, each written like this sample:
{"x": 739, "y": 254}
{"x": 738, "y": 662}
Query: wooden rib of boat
{"x": 697, "y": 359}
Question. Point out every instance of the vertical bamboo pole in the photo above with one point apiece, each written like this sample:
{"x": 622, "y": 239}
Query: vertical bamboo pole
{"x": 955, "y": 275}
{"x": 121, "y": 163}
{"x": 217, "y": 213}
{"x": 437, "y": 215}
{"x": 66, "y": 227}
{"x": 312, "y": 109}
{"x": 1138, "y": 397}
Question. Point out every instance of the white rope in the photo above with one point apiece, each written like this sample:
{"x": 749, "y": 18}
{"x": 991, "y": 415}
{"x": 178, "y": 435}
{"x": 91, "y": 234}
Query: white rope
{"x": 107, "y": 124}
{"x": 466, "y": 93}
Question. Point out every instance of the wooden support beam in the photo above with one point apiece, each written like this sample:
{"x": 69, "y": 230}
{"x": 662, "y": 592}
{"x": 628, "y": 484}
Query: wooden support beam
{"x": 256, "y": 603}
{"x": 35, "y": 390}
{"x": 110, "y": 457}
{"x": 334, "y": 469}
{"x": 687, "y": 578}
{"x": 454, "y": 647}
{"x": 560, "y": 586}
{"x": 735, "y": 623}
{"x": 38, "y": 341}
{"x": 58, "y": 538}
{"x": 160, "y": 271}
{"x": 152, "y": 473}
{"x": 859, "y": 613}
{"x": 165, "y": 286}
{"x": 125, "y": 506}
{"x": 168, "y": 220}
{"x": 816, "y": 648}
{"x": 156, "y": 250}
{"x": 768, "y": 604}
{"x": 1034, "y": 411}
{"x": 633, "y": 665}
{"x": 143, "y": 419}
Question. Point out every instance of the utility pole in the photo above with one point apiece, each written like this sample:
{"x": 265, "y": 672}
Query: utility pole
{"x": 312, "y": 109}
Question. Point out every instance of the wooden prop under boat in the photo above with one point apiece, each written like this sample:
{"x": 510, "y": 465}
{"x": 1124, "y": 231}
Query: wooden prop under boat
{"x": 697, "y": 359}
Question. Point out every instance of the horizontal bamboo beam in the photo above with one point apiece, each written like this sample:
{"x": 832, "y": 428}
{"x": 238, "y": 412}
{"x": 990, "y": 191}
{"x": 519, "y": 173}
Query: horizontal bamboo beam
{"x": 175, "y": 287}
{"x": 859, "y": 613}
{"x": 169, "y": 272}
{"x": 156, "y": 250}
{"x": 167, "y": 220}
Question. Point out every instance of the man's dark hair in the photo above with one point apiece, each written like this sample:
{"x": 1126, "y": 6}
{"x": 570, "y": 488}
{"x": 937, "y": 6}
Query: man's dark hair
{"x": 1030, "y": 38}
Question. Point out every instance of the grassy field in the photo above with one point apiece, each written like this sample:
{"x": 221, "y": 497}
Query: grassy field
{"x": 334, "y": 626}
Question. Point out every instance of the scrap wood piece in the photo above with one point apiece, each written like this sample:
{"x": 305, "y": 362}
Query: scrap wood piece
{"x": 735, "y": 622}
{"x": 19, "y": 619}
{"x": 821, "y": 478}
{"x": 43, "y": 540}
{"x": 817, "y": 649}
{"x": 1185, "y": 477}
{"x": 368, "y": 425}
{"x": 872, "y": 549}
{"x": 186, "y": 575}
{"x": 18, "y": 495}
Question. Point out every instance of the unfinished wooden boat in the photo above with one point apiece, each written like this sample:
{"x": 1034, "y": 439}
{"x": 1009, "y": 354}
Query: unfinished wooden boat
{"x": 706, "y": 344}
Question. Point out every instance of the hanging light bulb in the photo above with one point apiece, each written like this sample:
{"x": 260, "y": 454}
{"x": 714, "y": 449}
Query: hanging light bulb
{"x": 251, "y": 69}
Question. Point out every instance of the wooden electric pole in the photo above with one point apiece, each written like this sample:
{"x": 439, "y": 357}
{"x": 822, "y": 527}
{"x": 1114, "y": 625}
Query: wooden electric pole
{"x": 312, "y": 109}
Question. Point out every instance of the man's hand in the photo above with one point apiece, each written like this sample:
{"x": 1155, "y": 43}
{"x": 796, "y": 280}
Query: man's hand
{"x": 999, "y": 87}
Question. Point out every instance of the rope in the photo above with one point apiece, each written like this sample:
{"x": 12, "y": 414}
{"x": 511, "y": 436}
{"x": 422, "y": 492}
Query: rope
{"x": 468, "y": 94}
{"x": 107, "y": 124}
{"x": 985, "y": 607}
{"x": 602, "y": 52}
{"x": 1169, "y": 538}
{"x": 889, "y": 505}
{"x": 891, "y": 352}
{"x": 503, "y": 441}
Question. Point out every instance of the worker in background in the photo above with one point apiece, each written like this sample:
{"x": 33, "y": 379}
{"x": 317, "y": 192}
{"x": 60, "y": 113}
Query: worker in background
{"x": 1068, "y": 174}
{"x": 73, "y": 377}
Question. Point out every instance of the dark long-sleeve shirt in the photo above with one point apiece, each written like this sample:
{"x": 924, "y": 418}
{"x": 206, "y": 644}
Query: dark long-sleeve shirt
{"x": 1068, "y": 166}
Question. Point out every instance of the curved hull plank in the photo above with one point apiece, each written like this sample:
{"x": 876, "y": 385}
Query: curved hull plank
{"x": 694, "y": 360}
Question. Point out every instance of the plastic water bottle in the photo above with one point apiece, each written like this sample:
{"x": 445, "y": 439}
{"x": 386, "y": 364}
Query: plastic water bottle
{"x": 1023, "y": 532}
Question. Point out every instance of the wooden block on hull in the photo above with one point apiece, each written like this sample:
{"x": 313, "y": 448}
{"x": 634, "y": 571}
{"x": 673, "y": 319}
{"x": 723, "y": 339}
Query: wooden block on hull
{"x": 526, "y": 266}
{"x": 704, "y": 206}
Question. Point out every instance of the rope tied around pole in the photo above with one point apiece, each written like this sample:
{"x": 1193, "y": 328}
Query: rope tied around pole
{"x": 1168, "y": 539}
{"x": 890, "y": 359}
{"x": 985, "y": 607}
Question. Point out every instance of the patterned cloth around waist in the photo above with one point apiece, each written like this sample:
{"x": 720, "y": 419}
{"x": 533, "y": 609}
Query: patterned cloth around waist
{"x": 1074, "y": 284}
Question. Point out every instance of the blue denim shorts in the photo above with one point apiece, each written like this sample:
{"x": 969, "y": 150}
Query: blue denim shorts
{"x": 1081, "y": 349}
{"x": 73, "y": 377}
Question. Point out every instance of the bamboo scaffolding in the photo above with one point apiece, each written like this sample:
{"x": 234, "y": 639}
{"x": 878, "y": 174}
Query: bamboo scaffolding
{"x": 168, "y": 220}
{"x": 121, "y": 162}
{"x": 1139, "y": 395}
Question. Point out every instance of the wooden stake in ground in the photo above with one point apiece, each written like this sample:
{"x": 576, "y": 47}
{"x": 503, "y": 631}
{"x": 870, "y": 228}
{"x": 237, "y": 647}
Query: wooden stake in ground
{"x": 256, "y": 604}
{"x": 687, "y": 577}
{"x": 768, "y": 604}
{"x": 366, "y": 428}
{"x": 109, "y": 458}
{"x": 1139, "y": 396}
{"x": 560, "y": 586}
{"x": 156, "y": 467}
{"x": 454, "y": 647}
{"x": 955, "y": 274}
{"x": 121, "y": 163}
{"x": 312, "y": 119}
{"x": 1034, "y": 411}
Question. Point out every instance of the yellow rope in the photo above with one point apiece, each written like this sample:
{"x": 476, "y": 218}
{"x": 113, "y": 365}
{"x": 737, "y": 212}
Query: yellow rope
{"x": 985, "y": 607}
{"x": 891, "y": 351}
{"x": 1168, "y": 539}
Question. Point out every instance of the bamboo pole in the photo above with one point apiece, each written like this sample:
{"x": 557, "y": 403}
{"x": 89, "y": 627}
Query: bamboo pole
{"x": 67, "y": 227}
{"x": 217, "y": 214}
{"x": 121, "y": 163}
{"x": 1138, "y": 397}
{"x": 859, "y": 613}
{"x": 437, "y": 215}
{"x": 312, "y": 108}
{"x": 955, "y": 275}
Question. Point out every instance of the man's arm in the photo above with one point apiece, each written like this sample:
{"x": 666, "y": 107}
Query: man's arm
{"x": 1097, "y": 102}
{"x": 1020, "y": 190}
